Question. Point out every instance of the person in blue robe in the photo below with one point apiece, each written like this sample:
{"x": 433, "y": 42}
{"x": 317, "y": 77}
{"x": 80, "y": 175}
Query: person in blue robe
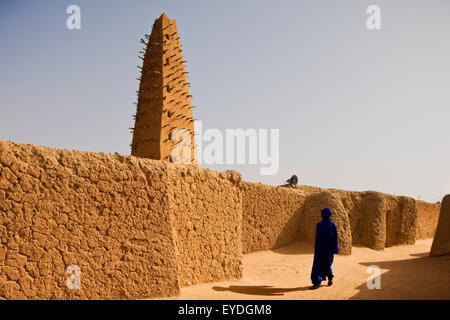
{"x": 325, "y": 247}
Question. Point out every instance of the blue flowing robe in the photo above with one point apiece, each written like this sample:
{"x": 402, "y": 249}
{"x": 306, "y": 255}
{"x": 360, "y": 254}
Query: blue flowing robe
{"x": 326, "y": 245}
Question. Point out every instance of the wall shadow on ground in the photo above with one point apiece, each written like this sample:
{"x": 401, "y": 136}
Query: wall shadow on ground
{"x": 259, "y": 290}
{"x": 421, "y": 277}
{"x": 296, "y": 248}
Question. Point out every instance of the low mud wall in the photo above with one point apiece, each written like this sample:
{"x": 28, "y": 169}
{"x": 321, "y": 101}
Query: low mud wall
{"x": 314, "y": 203}
{"x": 369, "y": 218}
{"x": 107, "y": 215}
{"x": 427, "y": 219}
{"x": 276, "y": 216}
{"x": 134, "y": 228}
{"x": 271, "y": 216}
{"x": 207, "y": 210}
{"x": 139, "y": 228}
{"x": 441, "y": 241}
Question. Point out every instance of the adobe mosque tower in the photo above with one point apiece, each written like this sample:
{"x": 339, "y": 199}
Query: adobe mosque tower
{"x": 164, "y": 110}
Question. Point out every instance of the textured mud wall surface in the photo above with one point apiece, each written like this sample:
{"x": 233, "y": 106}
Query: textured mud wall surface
{"x": 427, "y": 219}
{"x": 441, "y": 241}
{"x": 353, "y": 217}
{"x": 106, "y": 214}
{"x": 311, "y": 216}
{"x": 401, "y": 229}
{"x": 368, "y": 218}
{"x": 141, "y": 228}
{"x": 207, "y": 209}
{"x": 276, "y": 216}
{"x": 271, "y": 216}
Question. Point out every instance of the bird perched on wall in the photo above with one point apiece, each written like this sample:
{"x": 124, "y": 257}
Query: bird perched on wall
{"x": 292, "y": 181}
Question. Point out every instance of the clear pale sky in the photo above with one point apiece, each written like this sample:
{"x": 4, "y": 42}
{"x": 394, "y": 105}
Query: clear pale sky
{"x": 356, "y": 109}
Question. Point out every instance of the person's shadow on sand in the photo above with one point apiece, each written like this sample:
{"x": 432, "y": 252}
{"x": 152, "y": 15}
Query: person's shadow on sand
{"x": 259, "y": 290}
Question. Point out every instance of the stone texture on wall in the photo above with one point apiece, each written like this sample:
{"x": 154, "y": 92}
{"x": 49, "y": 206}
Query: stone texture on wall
{"x": 207, "y": 209}
{"x": 369, "y": 218}
{"x": 427, "y": 219}
{"x": 106, "y": 214}
{"x": 141, "y": 228}
{"x": 441, "y": 241}
{"x": 314, "y": 203}
{"x": 401, "y": 220}
{"x": 276, "y": 216}
{"x": 271, "y": 216}
{"x": 137, "y": 228}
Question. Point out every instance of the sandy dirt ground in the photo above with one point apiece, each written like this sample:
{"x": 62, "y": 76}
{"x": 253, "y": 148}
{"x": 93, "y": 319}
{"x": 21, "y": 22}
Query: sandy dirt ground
{"x": 407, "y": 272}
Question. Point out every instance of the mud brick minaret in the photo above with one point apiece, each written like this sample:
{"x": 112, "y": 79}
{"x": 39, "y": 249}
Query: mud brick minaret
{"x": 164, "y": 102}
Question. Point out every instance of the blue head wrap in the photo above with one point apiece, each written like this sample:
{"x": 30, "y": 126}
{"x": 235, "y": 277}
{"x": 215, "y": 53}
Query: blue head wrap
{"x": 326, "y": 212}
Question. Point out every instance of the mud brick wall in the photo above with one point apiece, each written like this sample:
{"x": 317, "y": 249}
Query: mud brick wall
{"x": 207, "y": 209}
{"x": 140, "y": 228}
{"x": 271, "y": 216}
{"x": 136, "y": 228}
{"x": 427, "y": 219}
{"x": 369, "y": 218}
{"x": 276, "y": 216}
{"x": 106, "y": 214}
{"x": 441, "y": 240}
{"x": 401, "y": 220}
{"x": 314, "y": 203}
